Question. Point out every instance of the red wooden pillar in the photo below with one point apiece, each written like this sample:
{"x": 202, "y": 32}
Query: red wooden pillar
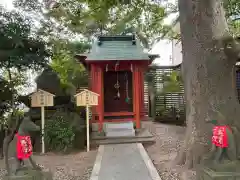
{"x": 139, "y": 86}
{"x": 98, "y": 83}
{"x": 143, "y": 95}
{"x": 101, "y": 99}
{"x": 97, "y": 87}
{"x": 141, "y": 92}
{"x": 136, "y": 97}
{"x": 93, "y": 88}
{"x": 142, "y": 87}
{"x": 134, "y": 93}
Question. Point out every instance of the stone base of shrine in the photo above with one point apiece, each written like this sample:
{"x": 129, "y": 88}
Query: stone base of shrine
{"x": 205, "y": 173}
{"x": 141, "y": 136}
{"x": 119, "y": 129}
{"x": 95, "y": 125}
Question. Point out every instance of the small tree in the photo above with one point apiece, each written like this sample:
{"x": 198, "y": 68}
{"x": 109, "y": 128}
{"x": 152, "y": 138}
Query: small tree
{"x": 171, "y": 82}
{"x": 20, "y": 50}
{"x": 71, "y": 73}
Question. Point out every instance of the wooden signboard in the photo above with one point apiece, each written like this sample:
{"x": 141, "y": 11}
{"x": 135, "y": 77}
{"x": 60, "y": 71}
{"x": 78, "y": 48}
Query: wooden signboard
{"x": 42, "y": 99}
{"x": 87, "y": 98}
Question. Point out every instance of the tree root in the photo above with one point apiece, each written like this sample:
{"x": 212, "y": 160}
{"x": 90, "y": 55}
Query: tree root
{"x": 190, "y": 157}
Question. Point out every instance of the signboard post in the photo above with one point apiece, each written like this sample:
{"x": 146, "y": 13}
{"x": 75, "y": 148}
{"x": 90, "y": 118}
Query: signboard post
{"x": 87, "y": 116}
{"x": 42, "y": 99}
{"x": 43, "y": 127}
{"x": 87, "y": 98}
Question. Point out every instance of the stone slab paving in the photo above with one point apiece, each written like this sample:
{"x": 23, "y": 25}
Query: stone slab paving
{"x": 123, "y": 162}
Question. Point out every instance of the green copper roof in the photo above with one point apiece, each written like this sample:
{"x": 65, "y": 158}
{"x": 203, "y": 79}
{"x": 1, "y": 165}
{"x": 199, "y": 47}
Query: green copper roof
{"x": 125, "y": 47}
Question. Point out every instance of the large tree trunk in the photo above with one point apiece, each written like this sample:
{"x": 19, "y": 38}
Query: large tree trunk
{"x": 207, "y": 73}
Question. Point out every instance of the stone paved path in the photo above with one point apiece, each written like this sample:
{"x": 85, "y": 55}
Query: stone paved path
{"x": 123, "y": 162}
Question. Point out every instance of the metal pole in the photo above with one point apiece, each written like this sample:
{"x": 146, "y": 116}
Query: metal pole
{"x": 43, "y": 125}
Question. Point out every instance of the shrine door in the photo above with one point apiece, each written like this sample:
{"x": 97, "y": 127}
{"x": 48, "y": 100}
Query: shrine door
{"x": 115, "y": 98}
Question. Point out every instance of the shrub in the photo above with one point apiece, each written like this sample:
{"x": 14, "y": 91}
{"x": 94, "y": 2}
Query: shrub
{"x": 59, "y": 133}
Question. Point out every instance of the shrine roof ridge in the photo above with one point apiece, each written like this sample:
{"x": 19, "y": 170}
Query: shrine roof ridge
{"x": 103, "y": 38}
{"x": 117, "y": 47}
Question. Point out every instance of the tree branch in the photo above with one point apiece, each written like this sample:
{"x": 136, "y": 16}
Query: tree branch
{"x": 143, "y": 39}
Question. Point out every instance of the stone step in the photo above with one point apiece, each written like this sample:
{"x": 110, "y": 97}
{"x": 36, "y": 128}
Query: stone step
{"x": 123, "y": 140}
{"x": 120, "y": 132}
{"x": 141, "y": 136}
{"x": 142, "y": 133}
{"x": 125, "y": 125}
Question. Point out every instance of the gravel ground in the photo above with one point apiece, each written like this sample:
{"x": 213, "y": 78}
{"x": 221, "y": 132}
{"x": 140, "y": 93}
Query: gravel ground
{"x": 163, "y": 152}
{"x": 76, "y": 166}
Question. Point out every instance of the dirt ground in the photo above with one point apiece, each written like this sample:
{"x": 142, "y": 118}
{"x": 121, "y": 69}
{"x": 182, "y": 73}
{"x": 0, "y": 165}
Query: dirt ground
{"x": 77, "y": 166}
{"x": 163, "y": 152}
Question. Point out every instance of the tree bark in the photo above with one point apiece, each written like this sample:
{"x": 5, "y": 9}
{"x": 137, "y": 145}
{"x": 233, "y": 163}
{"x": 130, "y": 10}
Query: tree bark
{"x": 207, "y": 73}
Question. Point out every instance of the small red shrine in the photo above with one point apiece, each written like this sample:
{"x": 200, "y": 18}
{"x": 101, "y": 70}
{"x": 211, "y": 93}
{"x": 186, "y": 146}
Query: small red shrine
{"x": 116, "y": 66}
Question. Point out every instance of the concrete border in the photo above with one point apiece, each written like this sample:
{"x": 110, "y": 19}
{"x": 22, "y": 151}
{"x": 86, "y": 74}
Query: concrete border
{"x": 152, "y": 170}
{"x": 97, "y": 165}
